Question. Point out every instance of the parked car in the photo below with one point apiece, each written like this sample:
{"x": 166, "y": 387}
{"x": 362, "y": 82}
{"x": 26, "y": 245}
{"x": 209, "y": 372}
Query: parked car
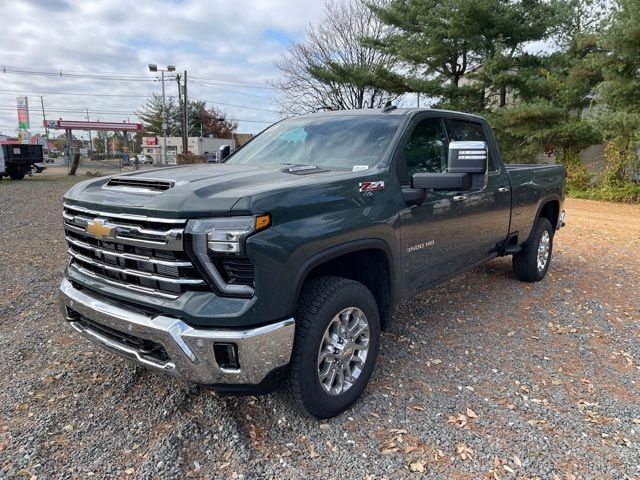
{"x": 287, "y": 260}
{"x": 38, "y": 168}
{"x": 144, "y": 159}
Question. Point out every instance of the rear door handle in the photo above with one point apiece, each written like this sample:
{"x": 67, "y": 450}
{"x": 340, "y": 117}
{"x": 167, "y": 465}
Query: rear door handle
{"x": 503, "y": 189}
{"x": 459, "y": 198}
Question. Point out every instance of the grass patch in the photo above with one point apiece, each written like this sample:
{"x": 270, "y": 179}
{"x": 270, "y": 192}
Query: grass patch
{"x": 626, "y": 193}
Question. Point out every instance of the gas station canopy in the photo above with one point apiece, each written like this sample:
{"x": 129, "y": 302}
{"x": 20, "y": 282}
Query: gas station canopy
{"x": 95, "y": 126}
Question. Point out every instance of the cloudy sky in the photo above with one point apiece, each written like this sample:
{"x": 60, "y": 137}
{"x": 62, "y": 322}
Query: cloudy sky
{"x": 102, "y": 49}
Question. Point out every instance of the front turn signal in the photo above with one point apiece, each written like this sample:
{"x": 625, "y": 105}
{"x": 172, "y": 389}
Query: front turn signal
{"x": 263, "y": 221}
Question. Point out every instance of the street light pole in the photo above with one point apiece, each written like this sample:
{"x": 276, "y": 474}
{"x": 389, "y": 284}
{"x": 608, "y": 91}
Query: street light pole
{"x": 170, "y": 68}
{"x": 164, "y": 124}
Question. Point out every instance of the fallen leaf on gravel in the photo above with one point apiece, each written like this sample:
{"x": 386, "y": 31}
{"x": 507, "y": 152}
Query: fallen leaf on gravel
{"x": 508, "y": 469}
{"x": 417, "y": 467}
{"x": 464, "y": 451}
{"x": 636, "y": 421}
{"x": 312, "y": 452}
{"x": 129, "y": 471}
{"x": 517, "y": 461}
{"x": 324, "y": 426}
{"x": 418, "y": 408}
{"x": 24, "y": 473}
{"x": 460, "y": 420}
{"x": 471, "y": 413}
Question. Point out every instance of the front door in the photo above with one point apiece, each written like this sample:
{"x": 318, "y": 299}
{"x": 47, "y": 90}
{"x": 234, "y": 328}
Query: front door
{"x": 430, "y": 232}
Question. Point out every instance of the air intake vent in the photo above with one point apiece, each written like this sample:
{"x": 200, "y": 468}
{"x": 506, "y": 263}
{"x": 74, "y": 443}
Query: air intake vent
{"x": 139, "y": 184}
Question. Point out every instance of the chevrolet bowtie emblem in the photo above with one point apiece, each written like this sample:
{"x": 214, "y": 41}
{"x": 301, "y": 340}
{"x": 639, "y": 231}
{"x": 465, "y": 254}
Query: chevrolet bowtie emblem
{"x": 98, "y": 229}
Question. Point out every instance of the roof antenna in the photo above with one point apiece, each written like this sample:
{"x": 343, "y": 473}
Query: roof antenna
{"x": 388, "y": 107}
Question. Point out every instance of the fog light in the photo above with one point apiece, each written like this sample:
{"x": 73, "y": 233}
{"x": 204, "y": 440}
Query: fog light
{"x": 226, "y": 355}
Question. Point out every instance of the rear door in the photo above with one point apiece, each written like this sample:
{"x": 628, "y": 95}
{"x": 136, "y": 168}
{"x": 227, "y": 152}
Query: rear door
{"x": 486, "y": 208}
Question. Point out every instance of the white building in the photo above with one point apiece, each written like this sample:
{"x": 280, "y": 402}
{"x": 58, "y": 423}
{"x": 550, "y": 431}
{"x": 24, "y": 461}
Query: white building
{"x": 197, "y": 145}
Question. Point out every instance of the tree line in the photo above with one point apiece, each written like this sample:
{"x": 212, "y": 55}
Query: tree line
{"x": 552, "y": 76}
{"x": 202, "y": 120}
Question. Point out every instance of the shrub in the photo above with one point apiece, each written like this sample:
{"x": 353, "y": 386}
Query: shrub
{"x": 623, "y": 193}
{"x": 189, "y": 158}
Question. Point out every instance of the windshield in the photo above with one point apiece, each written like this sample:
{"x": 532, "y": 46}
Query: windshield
{"x": 350, "y": 142}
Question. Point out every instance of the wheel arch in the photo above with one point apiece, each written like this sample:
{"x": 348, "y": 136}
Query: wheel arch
{"x": 368, "y": 261}
{"x": 549, "y": 209}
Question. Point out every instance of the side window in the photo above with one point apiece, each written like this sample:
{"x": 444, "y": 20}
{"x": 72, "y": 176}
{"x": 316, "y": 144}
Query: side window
{"x": 462, "y": 130}
{"x": 426, "y": 150}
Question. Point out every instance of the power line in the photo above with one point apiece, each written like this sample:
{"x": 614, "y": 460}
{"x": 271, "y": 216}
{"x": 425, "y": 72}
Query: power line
{"x": 229, "y": 84}
{"x": 119, "y": 77}
{"x": 76, "y": 94}
{"x": 232, "y": 105}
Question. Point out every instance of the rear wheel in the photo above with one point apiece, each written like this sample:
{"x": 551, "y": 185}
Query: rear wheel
{"x": 16, "y": 176}
{"x": 336, "y": 345}
{"x": 532, "y": 262}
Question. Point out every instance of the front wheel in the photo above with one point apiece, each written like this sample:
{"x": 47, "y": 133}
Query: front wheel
{"x": 336, "y": 345}
{"x": 532, "y": 262}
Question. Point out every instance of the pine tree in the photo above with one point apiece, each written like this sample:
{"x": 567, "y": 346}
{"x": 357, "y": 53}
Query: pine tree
{"x": 620, "y": 92}
{"x": 441, "y": 43}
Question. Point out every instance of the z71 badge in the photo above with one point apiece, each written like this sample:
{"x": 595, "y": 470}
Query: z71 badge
{"x": 371, "y": 186}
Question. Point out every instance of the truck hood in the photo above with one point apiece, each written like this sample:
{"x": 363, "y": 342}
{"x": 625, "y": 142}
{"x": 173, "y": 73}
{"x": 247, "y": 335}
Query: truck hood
{"x": 196, "y": 190}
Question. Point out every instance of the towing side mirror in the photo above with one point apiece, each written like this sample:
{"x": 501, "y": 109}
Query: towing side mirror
{"x": 467, "y": 157}
{"x": 441, "y": 181}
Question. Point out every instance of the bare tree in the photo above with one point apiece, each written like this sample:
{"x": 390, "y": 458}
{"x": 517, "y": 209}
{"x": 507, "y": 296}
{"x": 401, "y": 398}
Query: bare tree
{"x": 336, "y": 40}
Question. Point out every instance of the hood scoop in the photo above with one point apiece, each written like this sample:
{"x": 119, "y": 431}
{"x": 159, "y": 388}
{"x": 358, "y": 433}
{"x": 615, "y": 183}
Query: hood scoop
{"x": 140, "y": 185}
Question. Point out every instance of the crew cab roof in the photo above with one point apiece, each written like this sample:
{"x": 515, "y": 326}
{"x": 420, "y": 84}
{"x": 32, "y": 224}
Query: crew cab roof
{"x": 393, "y": 112}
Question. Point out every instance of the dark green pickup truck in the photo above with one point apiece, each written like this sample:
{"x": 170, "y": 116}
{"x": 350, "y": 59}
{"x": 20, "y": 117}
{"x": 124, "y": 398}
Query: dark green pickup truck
{"x": 287, "y": 260}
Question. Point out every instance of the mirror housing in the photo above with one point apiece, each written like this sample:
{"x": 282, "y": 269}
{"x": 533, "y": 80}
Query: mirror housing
{"x": 467, "y": 157}
{"x": 441, "y": 181}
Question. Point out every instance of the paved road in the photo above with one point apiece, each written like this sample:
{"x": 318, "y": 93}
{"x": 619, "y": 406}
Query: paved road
{"x": 484, "y": 377}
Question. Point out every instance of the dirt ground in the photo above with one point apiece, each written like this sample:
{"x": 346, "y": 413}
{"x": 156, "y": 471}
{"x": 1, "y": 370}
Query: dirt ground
{"x": 484, "y": 377}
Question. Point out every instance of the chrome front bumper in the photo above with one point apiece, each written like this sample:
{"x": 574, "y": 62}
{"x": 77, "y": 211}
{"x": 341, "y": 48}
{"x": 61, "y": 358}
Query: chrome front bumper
{"x": 189, "y": 351}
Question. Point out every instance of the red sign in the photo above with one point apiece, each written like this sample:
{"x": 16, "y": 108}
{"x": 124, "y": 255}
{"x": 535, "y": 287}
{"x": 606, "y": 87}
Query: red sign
{"x": 150, "y": 141}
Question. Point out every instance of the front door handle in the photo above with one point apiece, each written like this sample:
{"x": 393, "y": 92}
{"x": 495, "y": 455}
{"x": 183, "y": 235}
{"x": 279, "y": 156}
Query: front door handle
{"x": 459, "y": 198}
{"x": 503, "y": 189}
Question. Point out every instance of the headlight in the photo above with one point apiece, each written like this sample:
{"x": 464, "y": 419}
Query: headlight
{"x": 216, "y": 240}
{"x": 227, "y": 235}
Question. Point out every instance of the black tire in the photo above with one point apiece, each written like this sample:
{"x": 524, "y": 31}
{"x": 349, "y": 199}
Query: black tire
{"x": 525, "y": 262}
{"x": 16, "y": 176}
{"x": 321, "y": 300}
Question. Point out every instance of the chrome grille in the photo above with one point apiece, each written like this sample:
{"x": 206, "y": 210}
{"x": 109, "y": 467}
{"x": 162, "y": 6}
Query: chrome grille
{"x": 136, "y": 252}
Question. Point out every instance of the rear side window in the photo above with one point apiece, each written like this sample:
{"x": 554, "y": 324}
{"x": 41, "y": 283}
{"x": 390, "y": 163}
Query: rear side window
{"x": 462, "y": 130}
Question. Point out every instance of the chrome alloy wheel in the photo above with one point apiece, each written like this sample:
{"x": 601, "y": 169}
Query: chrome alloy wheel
{"x": 343, "y": 351}
{"x": 543, "y": 250}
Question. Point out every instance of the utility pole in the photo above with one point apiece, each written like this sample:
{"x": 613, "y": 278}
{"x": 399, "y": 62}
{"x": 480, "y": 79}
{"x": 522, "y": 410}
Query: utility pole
{"x": 90, "y": 139}
{"x": 44, "y": 117}
{"x": 185, "y": 130}
{"x": 181, "y": 109}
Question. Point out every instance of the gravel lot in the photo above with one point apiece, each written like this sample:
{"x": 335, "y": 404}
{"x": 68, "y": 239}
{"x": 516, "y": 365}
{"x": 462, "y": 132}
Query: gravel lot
{"x": 483, "y": 377}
